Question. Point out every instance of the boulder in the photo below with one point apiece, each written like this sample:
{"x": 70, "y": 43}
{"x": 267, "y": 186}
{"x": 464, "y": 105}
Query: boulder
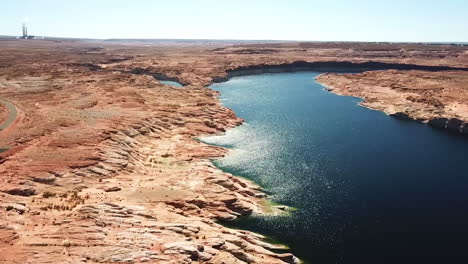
{"x": 216, "y": 242}
{"x": 228, "y": 199}
{"x": 131, "y": 132}
{"x": 100, "y": 171}
{"x": 112, "y": 189}
{"x": 241, "y": 207}
{"x": 240, "y": 254}
{"x": 19, "y": 208}
{"x": 223, "y": 216}
{"x": 209, "y": 124}
{"x": 45, "y": 179}
{"x": 22, "y": 191}
{"x": 288, "y": 258}
{"x": 188, "y": 248}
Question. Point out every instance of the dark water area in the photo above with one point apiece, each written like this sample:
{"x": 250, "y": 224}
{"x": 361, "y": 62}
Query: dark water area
{"x": 172, "y": 83}
{"x": 368, "y": 188}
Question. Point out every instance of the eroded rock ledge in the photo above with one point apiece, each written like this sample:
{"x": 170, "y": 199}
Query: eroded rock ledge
{"x": 130, "y": 186}
{"x": 329, "y": 66}
{"x": 435, "y": 98}
{"x": 102, "y": 166}
{"x": 166, "y": 196}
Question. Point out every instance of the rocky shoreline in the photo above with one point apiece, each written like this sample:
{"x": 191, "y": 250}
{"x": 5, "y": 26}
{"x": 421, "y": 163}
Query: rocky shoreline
{"x": 330, "y": 66}
{"x": 103, "y": 167}
{"x": 413, "y": 104}
{"x": 173, "y": 220}
{"x": 137, "y": 188}
{"x": 450, "y": 122}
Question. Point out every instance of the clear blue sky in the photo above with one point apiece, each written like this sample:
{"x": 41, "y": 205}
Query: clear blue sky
{"x": 344, "y": 20}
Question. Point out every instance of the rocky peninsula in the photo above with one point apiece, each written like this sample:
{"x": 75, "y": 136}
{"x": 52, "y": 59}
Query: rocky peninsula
{"x": 102, "y": 163}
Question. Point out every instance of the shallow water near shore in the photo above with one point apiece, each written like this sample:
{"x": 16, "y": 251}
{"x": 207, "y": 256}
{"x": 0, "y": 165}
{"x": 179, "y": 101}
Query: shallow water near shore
{"x": 367, "y": 187}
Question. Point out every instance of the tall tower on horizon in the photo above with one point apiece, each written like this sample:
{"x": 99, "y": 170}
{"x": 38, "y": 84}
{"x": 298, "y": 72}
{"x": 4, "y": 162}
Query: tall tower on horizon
{"x": 25, "y": 31}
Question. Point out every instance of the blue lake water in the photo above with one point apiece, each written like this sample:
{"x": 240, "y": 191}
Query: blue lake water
{"x": 172, "y": 83}
{"x": 368, "y": 188}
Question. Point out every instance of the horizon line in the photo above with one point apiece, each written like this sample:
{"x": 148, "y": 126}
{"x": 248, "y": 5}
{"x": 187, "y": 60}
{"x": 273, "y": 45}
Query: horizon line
{"x": 228, "y": 39}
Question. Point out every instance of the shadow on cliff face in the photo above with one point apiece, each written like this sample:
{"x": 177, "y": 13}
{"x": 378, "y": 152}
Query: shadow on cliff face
{"x": 335, "y": 66}
{"x": 159, "y": 76}
{"x": 453, "y": 125}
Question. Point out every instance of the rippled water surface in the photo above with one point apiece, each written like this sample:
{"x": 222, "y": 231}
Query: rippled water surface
{"x": 367, "y": 187}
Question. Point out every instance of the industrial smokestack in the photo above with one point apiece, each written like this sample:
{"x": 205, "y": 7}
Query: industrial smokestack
{"x": 25, "y": 30}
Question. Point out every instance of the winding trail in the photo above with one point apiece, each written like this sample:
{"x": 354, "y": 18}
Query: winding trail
{"x": 11, "y": 116}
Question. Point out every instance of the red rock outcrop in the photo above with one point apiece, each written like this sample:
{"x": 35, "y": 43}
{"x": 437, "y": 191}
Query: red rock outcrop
{"x": 102, "y": 165}
{"x": 438, "y": 98}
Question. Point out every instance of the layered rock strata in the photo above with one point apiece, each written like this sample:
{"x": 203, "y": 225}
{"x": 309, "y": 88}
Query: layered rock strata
{"x": 102, "y": 165}
{"x": 437, "y": 98}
